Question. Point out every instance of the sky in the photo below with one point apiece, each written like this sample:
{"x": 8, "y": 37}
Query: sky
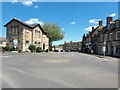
{"x": 74, "y": 18}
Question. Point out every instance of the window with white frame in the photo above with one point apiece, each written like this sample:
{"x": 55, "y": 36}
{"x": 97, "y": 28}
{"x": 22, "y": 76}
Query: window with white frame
{"x": 110, "y": 36}
{"x": 16, "y": 31}
{"x": 109, "y": 27}
{"x": 106, "y": 37}
{"x": 13, "y": 30}
{"x": 117, "y": 23}
{"x": 39, "y": 34}
{"x": 118, "y": 35}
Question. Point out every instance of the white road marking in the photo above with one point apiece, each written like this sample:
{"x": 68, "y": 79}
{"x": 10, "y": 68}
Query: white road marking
{"x": 56, "y": 61}
{"x": 7, "y": 80}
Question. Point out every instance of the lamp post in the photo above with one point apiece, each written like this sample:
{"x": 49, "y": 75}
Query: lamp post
{"x": 104, "y": 48}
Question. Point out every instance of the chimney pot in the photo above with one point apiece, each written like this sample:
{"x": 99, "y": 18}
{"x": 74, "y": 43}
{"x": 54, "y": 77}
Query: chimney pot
{"x": 92, "y": 28}
{"x": 109, "y": 19}
{"x": 100, "y": 23}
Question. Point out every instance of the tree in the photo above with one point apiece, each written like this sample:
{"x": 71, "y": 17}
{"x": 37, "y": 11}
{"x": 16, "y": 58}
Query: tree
{"x": 54, "y": 32}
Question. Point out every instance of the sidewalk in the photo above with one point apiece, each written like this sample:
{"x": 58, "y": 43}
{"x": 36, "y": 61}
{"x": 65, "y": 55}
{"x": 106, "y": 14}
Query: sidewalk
{"x": 109, "y": 58}
{"x": 106, "y": 58}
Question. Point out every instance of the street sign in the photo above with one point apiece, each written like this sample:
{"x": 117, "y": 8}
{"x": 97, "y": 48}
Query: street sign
{"x": 15, "y": 41}
{"x": 104, "y": 49}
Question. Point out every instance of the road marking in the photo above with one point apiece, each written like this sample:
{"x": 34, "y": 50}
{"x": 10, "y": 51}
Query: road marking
{"x": 5, "y": 56}
{"x": 9, "y": 82}
{"x": 57, "y": 61}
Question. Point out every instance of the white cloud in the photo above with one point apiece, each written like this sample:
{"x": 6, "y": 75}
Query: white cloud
{"x": 34, "y": 21}
{"x": 63, "y": 29}
{"x": 34, "y": 0}
{"x": 112, "y": 15}
{"x": 90, "y": 28}
{"x": 94, "y": 21}
{"x": 73, "y": 22}
{"x": 27, "y": 3}
{"x": 36, "y": 6}
{"x": 14, "y": 1}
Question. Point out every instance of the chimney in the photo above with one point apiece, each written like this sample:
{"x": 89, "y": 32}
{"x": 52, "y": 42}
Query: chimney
{"x": 100, "y": 23}
{"x": 92, "y": 28}
{"x": 64, "y": 42}
{"x": 109, "y": 19}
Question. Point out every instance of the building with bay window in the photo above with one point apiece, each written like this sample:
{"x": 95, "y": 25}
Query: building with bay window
{"x": 21, "y": 35}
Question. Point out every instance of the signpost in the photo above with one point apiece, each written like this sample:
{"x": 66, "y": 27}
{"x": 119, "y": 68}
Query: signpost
{"x": 15, "y": 41}
{"x": 104, "y": 48}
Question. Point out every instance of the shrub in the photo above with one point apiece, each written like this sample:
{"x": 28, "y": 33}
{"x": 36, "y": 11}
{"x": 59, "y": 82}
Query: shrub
{"x": 7, "y": 48}
{"x": 38, "y": 49}
{"x": 46, "y": 50}
{"x": 32, "y": 48}
{"x": 12, "y": 49}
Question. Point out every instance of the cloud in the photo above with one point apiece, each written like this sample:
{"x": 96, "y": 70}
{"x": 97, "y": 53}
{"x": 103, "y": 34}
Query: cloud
{"x": 36, "y": 6}
{"x": 27, "y": 3}
{"x": 14, "y": 1}
{"x": 94, "y": 21}
{"x": 72, "y": 23}
{"x": 34, "y": 21}
{"x": 90, "y": 28}
{"x": 112, "y": 15}
{"x": 63, "y": 29}
{"x": 34, "y": 0}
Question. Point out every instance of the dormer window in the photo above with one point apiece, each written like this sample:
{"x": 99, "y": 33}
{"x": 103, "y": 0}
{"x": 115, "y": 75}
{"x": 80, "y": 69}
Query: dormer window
{"x": 118, "y": 35}
{"x": 117, "y": 23}
{"x": 109, "y": 27}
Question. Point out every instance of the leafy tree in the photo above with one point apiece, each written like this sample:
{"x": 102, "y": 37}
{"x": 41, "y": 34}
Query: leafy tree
{"x": 32, "y": 48}
{"x": 54, "y": 32}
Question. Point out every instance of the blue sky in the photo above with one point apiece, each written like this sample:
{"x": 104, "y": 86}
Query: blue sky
{"x": 75, "y": 18}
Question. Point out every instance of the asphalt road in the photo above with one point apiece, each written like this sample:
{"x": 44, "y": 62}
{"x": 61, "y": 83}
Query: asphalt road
{"x": 58, "y": 70}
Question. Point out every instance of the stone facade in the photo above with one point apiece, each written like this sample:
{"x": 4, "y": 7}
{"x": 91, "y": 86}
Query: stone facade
{"x": 72, "y": 46}
{"x": 107, "y": 36}
{"x": 25, "y": 35}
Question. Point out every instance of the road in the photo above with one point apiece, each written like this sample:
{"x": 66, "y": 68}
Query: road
{"x": 58, "y": 70}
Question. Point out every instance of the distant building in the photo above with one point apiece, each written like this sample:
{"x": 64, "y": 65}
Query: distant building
{"x": 72, "y": 46}
{"x": 3, "y": 42}
{"x": 21, "y": 35}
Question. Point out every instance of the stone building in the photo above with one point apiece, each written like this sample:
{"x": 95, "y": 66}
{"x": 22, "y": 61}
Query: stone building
{"x": 103, "y": 36}
{"x": 111, "y": 36}
{"x": 72, "y": 46}
{"x": 20, "y": 35}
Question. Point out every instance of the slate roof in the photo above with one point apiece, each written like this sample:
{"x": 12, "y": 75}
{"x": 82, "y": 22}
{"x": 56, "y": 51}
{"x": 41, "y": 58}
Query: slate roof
{"x": 27, "y": 25}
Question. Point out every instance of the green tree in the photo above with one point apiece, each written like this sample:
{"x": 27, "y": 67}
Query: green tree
{"x": 54, "y": 31}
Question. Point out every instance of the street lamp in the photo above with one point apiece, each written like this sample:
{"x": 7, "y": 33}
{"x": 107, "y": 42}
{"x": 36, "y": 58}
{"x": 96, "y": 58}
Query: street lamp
{"x": 104, "y": 48}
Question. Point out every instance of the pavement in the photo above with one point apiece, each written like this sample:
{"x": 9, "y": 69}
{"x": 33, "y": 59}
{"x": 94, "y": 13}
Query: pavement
{"x": 58, "y": 70}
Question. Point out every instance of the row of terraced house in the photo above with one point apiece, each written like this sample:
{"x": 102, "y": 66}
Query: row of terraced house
{"x": 103, "y": 36}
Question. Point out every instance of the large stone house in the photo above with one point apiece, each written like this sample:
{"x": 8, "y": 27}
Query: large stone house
{"x": 111, "y": 36}
{"x": 20, "y": 35}
{"x": 103, "y": 36}
{"x": 89, "y": 42}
